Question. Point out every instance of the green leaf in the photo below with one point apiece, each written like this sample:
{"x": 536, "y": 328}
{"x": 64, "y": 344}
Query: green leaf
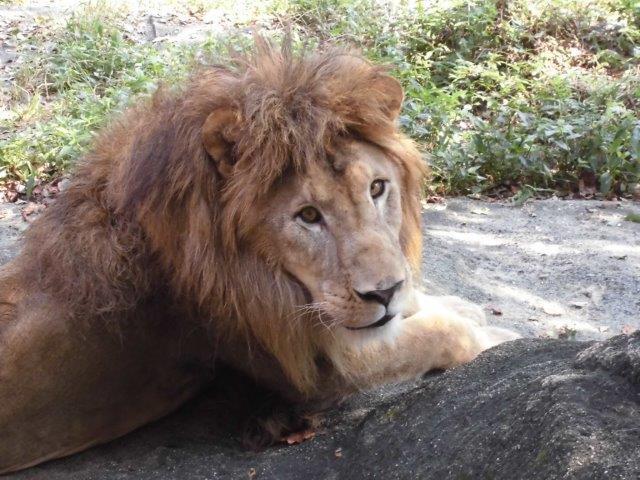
{"x": 605, "y": 182}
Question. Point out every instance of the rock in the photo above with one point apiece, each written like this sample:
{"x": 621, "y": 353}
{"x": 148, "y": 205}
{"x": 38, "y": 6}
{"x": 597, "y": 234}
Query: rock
{"x": 620, "y": 355}
{"x": 529, "y": 409}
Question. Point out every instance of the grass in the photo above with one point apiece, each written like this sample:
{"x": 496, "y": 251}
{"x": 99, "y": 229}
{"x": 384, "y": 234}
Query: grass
{"x": 65, "y": 92}
{"x": 511, "y": 97}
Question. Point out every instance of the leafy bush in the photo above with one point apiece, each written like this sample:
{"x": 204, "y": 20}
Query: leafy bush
{"x": 538, "y": 93}
{"x": 67, "y": 90}
{"x": 501, "y": 95}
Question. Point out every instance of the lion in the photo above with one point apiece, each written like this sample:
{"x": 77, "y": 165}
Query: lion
{"x": 266, "y": 216}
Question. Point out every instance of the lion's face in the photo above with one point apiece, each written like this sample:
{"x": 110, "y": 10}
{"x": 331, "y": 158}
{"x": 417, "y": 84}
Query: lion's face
{"x": 336, "y": 231}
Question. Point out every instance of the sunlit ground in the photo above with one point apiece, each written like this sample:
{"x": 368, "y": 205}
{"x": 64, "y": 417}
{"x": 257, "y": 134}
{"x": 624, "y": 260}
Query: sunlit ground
{"x": 551, "y": 268}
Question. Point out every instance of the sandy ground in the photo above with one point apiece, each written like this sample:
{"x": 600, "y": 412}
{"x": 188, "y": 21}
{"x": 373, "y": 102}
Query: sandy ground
{"x": 549, "y": 268}
{"x": 12, "y": 226}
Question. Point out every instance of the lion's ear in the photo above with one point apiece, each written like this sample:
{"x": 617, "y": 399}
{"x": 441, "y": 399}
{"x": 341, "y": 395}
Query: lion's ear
{"x": 391, "y": 93}
{"x": 219, "y": 134}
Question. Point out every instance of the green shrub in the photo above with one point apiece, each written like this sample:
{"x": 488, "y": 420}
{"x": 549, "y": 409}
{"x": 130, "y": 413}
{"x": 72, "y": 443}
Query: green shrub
{"x": 70, "y": 88}
{"x": 541, "y": 94}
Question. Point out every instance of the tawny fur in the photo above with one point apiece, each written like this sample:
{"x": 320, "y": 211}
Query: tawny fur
{"x": 146, "y": 204}
{"x": 144, "y": 265}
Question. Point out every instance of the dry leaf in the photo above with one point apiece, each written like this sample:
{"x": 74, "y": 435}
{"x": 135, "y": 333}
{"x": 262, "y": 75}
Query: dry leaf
{"x": 252, "y": 473}
{"x": 628, "y": 329}
{"x": 298, "y": 437}
{"x": 338, "y": 453}
{"x": 30, "y": 209}
{"x": 480, "y": 211}
{"x": 567, "y": 333}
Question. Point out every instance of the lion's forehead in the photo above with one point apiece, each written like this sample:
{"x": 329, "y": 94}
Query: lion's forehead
{"x": 329, "y": 188}
{"x": 357, "y": 164}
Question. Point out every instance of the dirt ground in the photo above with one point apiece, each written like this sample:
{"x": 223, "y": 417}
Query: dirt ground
{"x": 567, "y": 268}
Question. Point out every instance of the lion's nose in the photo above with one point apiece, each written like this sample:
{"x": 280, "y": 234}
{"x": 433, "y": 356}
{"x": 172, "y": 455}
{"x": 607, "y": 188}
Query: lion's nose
{"x": 381, "y": 296}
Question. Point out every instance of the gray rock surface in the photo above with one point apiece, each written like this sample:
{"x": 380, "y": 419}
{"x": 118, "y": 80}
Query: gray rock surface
{"x": 530, "y": 409}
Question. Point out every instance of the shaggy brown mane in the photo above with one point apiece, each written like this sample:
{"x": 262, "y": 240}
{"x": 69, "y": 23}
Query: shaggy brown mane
{"x": 149, "y": 213}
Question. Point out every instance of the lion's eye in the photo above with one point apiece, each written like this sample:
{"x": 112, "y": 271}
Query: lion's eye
{"x": 377, "y": 188}
{"x": 310, "y": 215}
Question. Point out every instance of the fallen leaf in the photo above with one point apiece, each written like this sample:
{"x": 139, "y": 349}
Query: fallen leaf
{"x": 567, "y": 333}
{"x": 432, "y": 199}
{"x": 494, "y": 310}
{"x": 30, "y": 209}
{"x": 338, "y": 453}
{"x": 252, "y": 473}
{"x": 628, "y": 329}
{"x": 298, "y": 437}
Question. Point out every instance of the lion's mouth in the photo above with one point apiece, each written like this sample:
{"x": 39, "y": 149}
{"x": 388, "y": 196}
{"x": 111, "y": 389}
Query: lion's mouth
{"x": 379, "y": 323}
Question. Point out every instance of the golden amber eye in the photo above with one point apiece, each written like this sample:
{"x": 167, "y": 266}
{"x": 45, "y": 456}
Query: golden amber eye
{"x": 377, "y": 188}
{"x": 310, "y": 215}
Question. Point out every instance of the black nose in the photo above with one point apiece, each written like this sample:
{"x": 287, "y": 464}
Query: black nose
{"x": 380, "y": 296}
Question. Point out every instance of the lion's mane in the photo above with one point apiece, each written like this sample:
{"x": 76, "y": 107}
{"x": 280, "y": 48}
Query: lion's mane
{"x": 149, "y": 214}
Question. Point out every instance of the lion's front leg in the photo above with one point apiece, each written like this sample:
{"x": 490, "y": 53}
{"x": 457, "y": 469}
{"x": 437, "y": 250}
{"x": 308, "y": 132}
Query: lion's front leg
{"x": 442, "y": 333}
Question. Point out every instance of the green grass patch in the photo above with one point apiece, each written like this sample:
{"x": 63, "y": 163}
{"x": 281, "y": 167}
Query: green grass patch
{"x": 66, "y": 91}
{"x": 525, "y": 95}
{"x": 633, "y": 217}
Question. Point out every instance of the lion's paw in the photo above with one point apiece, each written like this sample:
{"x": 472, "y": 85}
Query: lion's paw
{"x": 456, "y": 305}
{"x": 490, "y": 336}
